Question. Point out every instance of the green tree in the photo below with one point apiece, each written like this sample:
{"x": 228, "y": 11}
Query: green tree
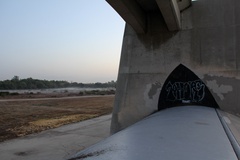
{"x": 15, "y": 78}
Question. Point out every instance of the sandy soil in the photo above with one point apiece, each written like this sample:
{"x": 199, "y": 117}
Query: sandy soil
{"x": 19, "y": 118}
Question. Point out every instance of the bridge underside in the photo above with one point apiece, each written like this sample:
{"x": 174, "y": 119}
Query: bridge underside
{"x": 136, "y": 12}
{"x": 159, "y": 36}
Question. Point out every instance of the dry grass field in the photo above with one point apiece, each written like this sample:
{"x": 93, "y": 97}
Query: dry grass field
{"x": 19, "y": 118}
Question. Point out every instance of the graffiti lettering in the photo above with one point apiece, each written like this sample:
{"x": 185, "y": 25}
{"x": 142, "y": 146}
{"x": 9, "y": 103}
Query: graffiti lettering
{"x": 187, "y": 92}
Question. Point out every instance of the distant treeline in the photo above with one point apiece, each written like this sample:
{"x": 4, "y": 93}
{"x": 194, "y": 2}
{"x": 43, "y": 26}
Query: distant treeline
{"x": 30, "y": 83}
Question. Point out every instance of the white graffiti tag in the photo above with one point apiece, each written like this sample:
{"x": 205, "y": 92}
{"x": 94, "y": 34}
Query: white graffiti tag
{"x": 191, "y": 91}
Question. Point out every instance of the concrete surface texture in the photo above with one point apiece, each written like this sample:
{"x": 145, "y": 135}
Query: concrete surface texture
{"x": 208, "y": 43}
{"x": 135, "y": 12}
{"x": 179, "y": 133}
{"x": 57, "y": 144}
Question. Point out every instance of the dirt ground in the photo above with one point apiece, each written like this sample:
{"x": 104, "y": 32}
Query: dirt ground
{"x": 20, "y": 118}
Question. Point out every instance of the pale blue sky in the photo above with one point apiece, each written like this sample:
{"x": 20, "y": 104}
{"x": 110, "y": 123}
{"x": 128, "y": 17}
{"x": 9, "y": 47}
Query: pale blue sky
{"x": 73, "y": 40}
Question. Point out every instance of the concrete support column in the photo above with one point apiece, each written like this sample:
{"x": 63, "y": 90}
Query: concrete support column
{"x": 208, "y": 44}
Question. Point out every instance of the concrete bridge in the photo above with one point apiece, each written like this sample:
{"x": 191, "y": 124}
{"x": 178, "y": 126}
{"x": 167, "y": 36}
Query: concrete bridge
{"x": 177, "y": 52}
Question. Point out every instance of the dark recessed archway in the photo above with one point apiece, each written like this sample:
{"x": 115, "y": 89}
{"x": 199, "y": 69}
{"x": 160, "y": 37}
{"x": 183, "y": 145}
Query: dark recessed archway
{"x": 183, "y": 87}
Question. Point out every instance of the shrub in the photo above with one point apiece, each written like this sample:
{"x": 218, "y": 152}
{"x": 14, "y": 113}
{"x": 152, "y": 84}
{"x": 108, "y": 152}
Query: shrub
{"x": 2, "y": 94}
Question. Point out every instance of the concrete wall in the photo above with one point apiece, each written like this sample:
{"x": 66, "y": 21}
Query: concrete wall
{"x": 208, "y": 44}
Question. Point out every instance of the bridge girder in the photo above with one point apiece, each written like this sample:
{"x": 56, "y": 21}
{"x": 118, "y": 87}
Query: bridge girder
{"x": 135, "y": 12}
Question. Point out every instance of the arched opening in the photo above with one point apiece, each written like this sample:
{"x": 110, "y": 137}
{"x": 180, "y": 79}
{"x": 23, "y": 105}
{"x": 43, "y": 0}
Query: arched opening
{"x": 183, "y": 87}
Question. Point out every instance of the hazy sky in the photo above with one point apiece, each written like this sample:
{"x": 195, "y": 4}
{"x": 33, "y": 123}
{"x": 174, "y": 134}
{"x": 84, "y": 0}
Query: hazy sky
{"x": 73, "y": 40}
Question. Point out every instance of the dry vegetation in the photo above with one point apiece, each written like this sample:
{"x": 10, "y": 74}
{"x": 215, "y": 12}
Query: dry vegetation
{"x": 19, "y": 118}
